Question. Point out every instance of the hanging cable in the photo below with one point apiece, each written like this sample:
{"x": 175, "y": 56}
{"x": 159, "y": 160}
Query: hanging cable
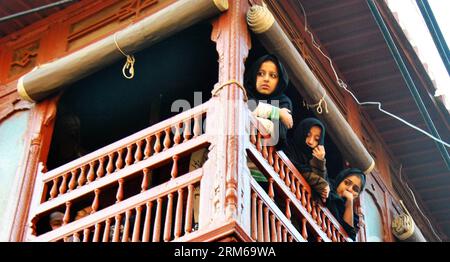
{"x": 129, "y": 64}
{"x": 415, "y": 202}
{"x": 343, "y": 85}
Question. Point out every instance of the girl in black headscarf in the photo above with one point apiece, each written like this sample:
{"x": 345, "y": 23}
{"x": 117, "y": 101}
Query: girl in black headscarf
{"x": 307, "y": 153}
{"x": 265, "y": 83}
{"x": 346, "y": 187}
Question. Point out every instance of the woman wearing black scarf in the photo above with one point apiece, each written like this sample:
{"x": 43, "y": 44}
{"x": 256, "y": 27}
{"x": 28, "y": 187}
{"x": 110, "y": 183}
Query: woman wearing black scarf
{"x": 265, "y": 82}
{"x": 346, "y": 187}
{"x": 307, "y": 153}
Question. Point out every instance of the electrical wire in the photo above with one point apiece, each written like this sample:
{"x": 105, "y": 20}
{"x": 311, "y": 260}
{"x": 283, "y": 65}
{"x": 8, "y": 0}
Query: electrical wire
{"x": 343, "y": 85}
{"x": 417, "y": 205}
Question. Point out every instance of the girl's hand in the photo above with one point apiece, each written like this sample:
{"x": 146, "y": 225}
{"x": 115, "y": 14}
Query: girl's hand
{"x": 325, "y": 193}
{"x": 319, "y": 152}
{"x": 286, "y": 117}
{"x": 348, "y": 195}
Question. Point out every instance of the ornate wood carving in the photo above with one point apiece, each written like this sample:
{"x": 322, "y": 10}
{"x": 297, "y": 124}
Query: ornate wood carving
{"x": 101, "y": 22}
{"x": 24, "y": 58}
{"x": 232, "y": 38}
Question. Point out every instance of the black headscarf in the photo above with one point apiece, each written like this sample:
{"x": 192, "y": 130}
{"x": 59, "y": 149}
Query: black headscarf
{"x": 349, "y": 172}
{"x": 336, "y": 204}
{"x": 298, "y": 151}
{"x": 278, "y": 93}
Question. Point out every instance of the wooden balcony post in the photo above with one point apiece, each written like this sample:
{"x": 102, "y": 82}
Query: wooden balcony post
{"x": 225, "y": 186}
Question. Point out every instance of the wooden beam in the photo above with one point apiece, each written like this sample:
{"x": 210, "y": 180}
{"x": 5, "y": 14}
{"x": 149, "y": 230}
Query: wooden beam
{"x": 38, "y": 84}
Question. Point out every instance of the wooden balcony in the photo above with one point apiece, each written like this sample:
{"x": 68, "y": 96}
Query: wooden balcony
{"x": 128, "y": 202}
{"x": 314, "y": 221}
{"x": 122, "y": 172}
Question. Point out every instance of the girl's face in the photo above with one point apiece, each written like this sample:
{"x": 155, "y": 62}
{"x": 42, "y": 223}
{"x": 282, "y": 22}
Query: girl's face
{"x": 267, "y": 78}
{"x": 351, "y": 184}
{"x": 313, "y": 137}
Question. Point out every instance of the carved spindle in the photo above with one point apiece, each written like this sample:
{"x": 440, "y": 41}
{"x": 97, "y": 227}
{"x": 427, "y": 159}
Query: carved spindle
{"x": 174, "y": 172}
{"x": 319, "y": 216}
{"x": 126, "y": 227}
{"x": 86, "y": 233}
{"x": 324, "y": 222}
{"x": 157, "y": 147}
{"x": 119, "y": 195}
{"x": 76, "y": 236}
{"x": 138, "y": 153}
{"x": 303, "y": 197}
{"x": 271, "y": 149}
{"x": 145, "y": 179}
{"x": 119, "y": 160}
{"x": 298, "y": 193}
{"x": 96, "y": 202}
{"x": 276, "y": 167}
{"x": 293, "y": 184}
{"x": 73, "y": 180}
{"x": 179, "y": 214}
{"x": 187, "y": 130}
{"x": 168, "y": 221}
{"x": 91, "y": 173}
{"x": 266, "y": 225}
{"x": 284, "y": 234}
{"x": 66, "y": 218}
{"x": 338, "y": 235}
{"x": 265, "y": 152}
{"x": 137, "y": 225}
{"x": 290, "y": 238}
{"x": 157, "y": 231}
{"x": 54, "y": 190}
{"x": 314, "y": 212}
{"x": 116, "y": 234}
{"x": 282, "y": 174}
{"x": 304, "y": 231}
{"x": 110, "y": 166}
{"x": 167, "y": 141}
{"x": 189, "y": 209}
{"x": 82, "y": 177}
{"x": 279, "y": 236}
{"x": 147, "y": 222}
{"x": 148, "y": 147}
{"x": 129, "y": 158}
{"x": 98, "y": 228}
{"x": 177, "y": 135}
{"x": 271, "y": 191}
{"x": 101, "y": 167}
{"x": 319, "y": 239}
{"x": 254, "y": 217}
{"x": 308, "y": 203}
{"x": 260, "y": 221}
{"x": 287, "y": 178}
{"x": 197, "y": 125}
{"x": 106, "y": 231}
{"x": 334, "y": 238}
{"x": 329, "y": 234}
{"x": 253, "y": 132}
{"x": 288, "y": 208}
{"x": 258, "y": 143}
{"x": 273, "y": 229}
{"x": 63, "y": 186}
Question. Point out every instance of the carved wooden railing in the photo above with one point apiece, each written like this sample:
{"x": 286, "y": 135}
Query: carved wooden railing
{"x": 112, "y": 167}
{"x": 268, "y": 222}
{"x": 314, "y": 221}
{"x": 164, "y": 212}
